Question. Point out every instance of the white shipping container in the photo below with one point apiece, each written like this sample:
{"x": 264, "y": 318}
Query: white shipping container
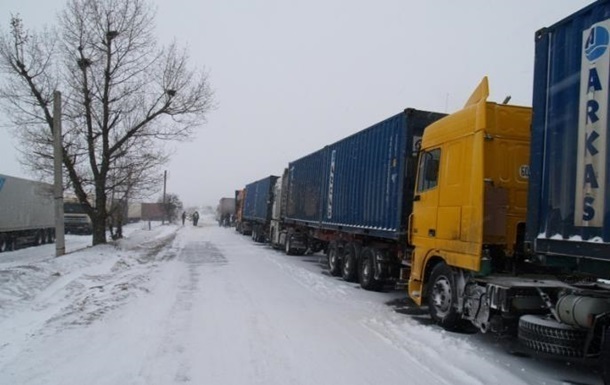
{"x": 25, "y": 204}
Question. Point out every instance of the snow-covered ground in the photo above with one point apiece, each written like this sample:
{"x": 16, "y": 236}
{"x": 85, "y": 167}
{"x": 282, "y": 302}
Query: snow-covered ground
{"x": 205, "y": 305}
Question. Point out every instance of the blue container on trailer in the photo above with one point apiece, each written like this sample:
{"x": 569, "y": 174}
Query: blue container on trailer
{"x": 363, "y": 183}
{"x": 258, "y": 202}
{"x": 569, "y": 198}
{"x": 306, "y": 181}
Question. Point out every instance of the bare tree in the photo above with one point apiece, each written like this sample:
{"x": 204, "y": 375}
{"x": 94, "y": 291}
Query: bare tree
{"x": 123, "y": 95}
{"x": 172, "y": 205}
{"x": 135, "y": 176}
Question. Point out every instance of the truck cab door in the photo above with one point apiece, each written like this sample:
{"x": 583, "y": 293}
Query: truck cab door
{"x": 425, "y": 201}
{"x": 423, "y": 221}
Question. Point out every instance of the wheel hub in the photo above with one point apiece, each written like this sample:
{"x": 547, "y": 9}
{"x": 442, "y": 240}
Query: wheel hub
{"x": 441, "y": 294}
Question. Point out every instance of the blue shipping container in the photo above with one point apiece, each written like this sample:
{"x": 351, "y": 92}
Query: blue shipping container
{"x": 257, "y": 206}
{"x": 569, "y": 198}
{"x": 363, "y": 183}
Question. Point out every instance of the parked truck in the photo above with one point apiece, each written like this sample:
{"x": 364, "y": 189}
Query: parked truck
{"x": 511, "y": 231}
{"x": 225, "y": 211}
{"x": 76, "y": 219}
{"x": 134, "y": 212}
{"x": 256, "y": 210}
{"x": 284, "y": 235}
{"x": 240, "y": 196}
{"x": 27, "y": 215}
{"x": 352, "y": 198}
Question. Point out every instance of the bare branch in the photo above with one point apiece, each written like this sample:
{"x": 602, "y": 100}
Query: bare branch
{"x": 123, "y": 97}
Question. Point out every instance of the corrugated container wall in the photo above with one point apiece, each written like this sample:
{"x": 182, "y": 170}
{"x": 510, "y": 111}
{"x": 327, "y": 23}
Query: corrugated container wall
{"x": 306, "y": 182}
{"x": 568, "y": 205}
{"x": 363, "y": 183}
{"x": 257, "y": 206}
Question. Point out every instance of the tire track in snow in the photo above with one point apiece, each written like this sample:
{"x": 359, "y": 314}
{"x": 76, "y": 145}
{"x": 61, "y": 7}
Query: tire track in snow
{"x": 193, "y": 257}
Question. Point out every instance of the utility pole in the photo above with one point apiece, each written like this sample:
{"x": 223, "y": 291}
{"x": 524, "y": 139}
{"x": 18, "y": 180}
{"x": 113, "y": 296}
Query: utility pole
{"x": 60, "y": 241}
{"x": 164, "y": 203}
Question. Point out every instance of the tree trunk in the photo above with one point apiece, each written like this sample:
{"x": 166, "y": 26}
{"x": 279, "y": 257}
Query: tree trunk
{"x": 101, "y": 215}
{"x": 99, "y": 230}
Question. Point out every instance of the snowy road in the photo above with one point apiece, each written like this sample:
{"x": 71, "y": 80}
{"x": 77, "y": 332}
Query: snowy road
{"x": 207, "y": 306}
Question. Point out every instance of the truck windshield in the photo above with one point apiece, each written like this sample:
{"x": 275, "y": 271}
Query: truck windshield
{"x": 74, "y": 208}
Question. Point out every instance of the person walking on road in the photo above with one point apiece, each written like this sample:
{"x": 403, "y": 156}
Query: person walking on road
{"x": 183, "y": 217}
{"x": 195, "y": 218}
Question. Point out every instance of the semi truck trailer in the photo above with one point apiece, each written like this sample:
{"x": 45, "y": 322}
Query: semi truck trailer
{"x": 256, "y": 210}
{"x": 568, "y": 218}
{"x": 353, "y": 198}
{"x": 27, "y": 215}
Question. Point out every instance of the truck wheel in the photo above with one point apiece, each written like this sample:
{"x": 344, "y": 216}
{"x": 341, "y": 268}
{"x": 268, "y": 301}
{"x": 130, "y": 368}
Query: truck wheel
{"x": 3, "y": 244}
{"x": 334, "y": 259}
{"x": 367, "y": 270}
{"x": 442, "y": 298}
{"x": 288, "y": 246}
{"x": 256, "y": 235}
{"x": 546, "y": 335}
{"x": 6, "y": 244}
{"x": 350, "y": 262}
{"x": 38, "y": 238}
{"x": 50, "y": 236}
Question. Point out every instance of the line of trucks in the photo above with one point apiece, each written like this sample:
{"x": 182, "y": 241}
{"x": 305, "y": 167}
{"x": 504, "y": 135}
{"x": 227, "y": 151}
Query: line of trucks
{"x": 495, "y": 215}
{"x": 27, "y": 216}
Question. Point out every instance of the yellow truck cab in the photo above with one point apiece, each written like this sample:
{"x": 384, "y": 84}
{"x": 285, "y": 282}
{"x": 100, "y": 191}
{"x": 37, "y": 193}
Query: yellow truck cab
{"x": 470, "y": 201}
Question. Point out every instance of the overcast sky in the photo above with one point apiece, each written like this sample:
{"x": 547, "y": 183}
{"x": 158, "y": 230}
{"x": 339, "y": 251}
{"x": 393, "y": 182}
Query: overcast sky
{"x": 292, "y": 76}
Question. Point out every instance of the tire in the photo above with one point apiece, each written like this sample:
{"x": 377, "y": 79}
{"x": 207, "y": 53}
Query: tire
{"x": 349, "y": 270}
{"x": 442, "y": 298}
{"x": 7, "y": 244}
{"x": 3, "y": 244}
{"x": 546, "y": 335}
{"x": 50, "y": 236}
{"x": 288, "y": 246}
{"x": 334, "y": 259}
{"x": 255, "y": 235}
{"x": 367, "y": 271}
{"x": 39, "y": 238}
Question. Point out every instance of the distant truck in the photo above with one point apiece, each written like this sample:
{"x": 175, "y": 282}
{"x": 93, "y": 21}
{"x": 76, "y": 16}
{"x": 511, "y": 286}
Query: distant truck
{"x": 292, "y": 239}
{"x": 134, "y": 212}
{"x": 240, "y": 225}
{"x": 256, "y": 210}
{"x": 27, "y": 215}
{"x": 76, "y": 219}
{"x": 225, "y": 211}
